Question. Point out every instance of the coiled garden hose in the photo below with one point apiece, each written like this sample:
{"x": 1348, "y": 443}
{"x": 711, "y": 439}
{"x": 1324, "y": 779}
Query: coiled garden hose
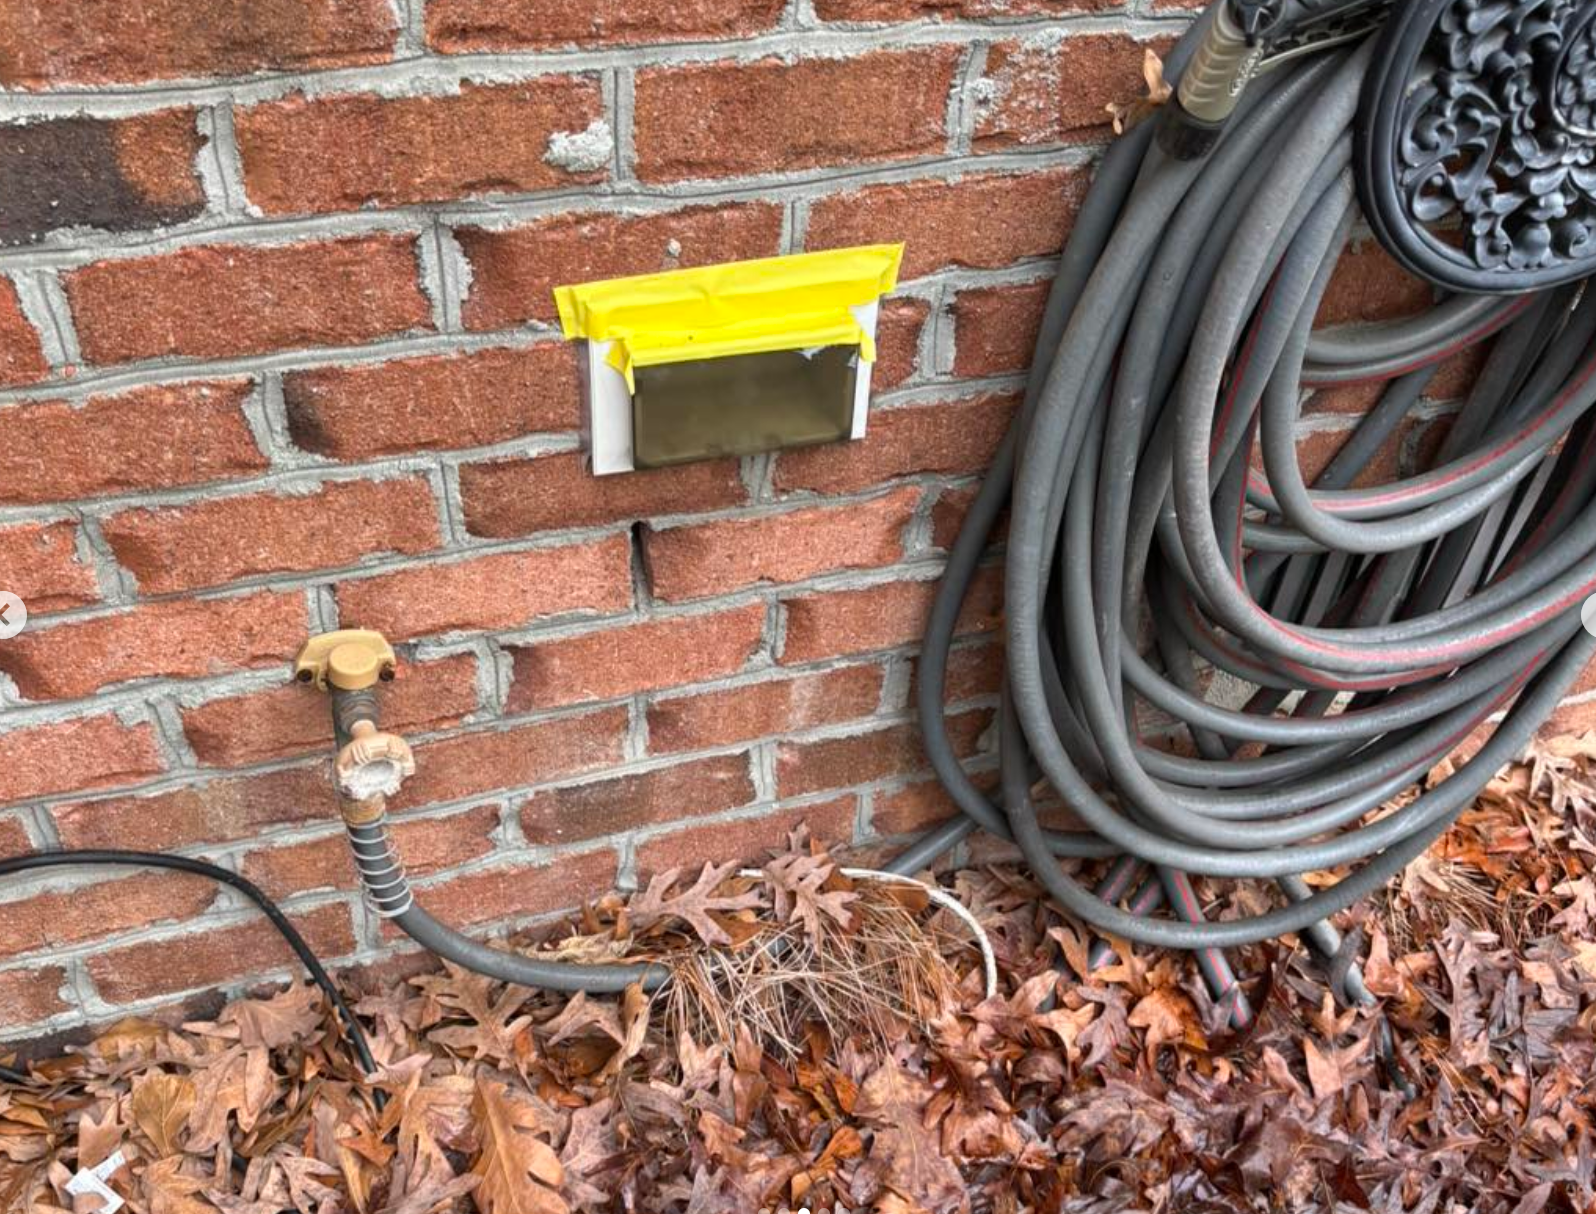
{"x": 1324, "y": 645}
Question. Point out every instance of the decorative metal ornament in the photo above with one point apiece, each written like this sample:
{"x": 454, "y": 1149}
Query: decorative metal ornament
{"x": 1477, "y": 142}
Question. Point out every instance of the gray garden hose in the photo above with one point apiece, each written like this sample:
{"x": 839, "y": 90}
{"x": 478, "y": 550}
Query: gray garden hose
{"x": 1378, "y": 626}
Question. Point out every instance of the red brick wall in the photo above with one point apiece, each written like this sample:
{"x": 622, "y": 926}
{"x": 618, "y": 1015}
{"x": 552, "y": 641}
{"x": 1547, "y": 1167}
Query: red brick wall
{"x": 277, "y": 355}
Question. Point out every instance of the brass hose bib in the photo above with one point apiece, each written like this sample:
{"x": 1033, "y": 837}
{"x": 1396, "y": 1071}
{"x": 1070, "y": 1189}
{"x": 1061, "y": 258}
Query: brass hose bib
{"x": 372, "y": 764}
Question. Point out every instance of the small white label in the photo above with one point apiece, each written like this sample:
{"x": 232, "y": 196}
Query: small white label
{"x": 1587, "y": 615}
{"x": 90, "y": 1182}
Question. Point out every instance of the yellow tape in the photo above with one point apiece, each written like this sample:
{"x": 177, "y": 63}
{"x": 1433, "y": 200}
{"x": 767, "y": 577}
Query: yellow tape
{"x": 741, "y": 307}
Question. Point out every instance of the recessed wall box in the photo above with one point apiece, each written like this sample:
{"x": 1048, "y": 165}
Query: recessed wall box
{"x": 730, "y": 359}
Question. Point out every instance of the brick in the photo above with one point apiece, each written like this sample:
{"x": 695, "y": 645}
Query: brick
{"x": 994, "y": 328}
{"x": 455, "y": 26}
{"x": 713, "y": 558}
{"x": 973, "y": 672}
{"x": 514, "y": 758}
{"x": 1368, "y": 285}
{"x": 834, "y": 623}
{"x": 14, "y": 840}
{"x": 776, "y": 706}
{"x": 504, "y": 590}
{"x": 912, "y": 808}
{"x": 39, "y": 563}
{"x": 862, "y": 758}
{"x": 911, "y": 10}
{"x": 32, "y": 994}
{"x": 221, "y": 540}
{"x": 117, "y": 175}
{"x": 426, "y": 845}
{"x": 344, "y": 153}
{"x": 898, "y": 328}
{"x": 434, "y": 402}
{"x": 178, "y": 640}
{"x": 514, "y": 271}
{"x": 953, "y": 438}
{"x": 521, "y": 891}
{"x": 505, "y": 498}
{"x": 158, "y": 437}
{"x": 981, "y": 222}
{"x": 727, "y": 119}
{"x": 209, "y": 543}
{"x": 225, "y": 301}
{"x": 113, "y": 41}
{"x": 217, "y": 811}
{"x": 58, "y": 919}
{"x": 294, "y": 719}
{"x": 948, "y": 513}
{"x": 22, "y": 358}
{"x": 749, "y": 841}
{"x": 1050, "y": 91}
{"x": 606, "y": 807}
{"x": 613, "y": 662}
{"x": 91, "y": 752}
{"x": 215, "y": 956}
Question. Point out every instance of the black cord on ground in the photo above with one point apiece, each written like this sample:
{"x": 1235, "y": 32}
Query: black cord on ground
{"x": 353, "y": 1033}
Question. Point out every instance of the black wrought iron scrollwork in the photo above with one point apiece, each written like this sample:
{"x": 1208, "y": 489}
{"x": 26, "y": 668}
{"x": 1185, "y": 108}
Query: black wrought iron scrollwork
{"x": 1477, "y": 141}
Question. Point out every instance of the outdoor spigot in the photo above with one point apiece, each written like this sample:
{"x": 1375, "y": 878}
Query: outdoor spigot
{"x": 349, "y": 664}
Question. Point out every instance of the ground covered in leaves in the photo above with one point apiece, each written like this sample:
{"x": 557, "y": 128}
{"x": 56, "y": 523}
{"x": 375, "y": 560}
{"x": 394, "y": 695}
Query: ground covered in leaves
{"x": 827, "y": 1045}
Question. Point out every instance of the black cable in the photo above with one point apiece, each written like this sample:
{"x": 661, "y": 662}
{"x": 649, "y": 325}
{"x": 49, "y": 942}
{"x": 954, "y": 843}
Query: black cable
{"x": 353, "y": 1033}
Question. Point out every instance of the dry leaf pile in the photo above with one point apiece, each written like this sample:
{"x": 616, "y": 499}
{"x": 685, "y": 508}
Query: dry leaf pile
{"x": 825, "y": 1046}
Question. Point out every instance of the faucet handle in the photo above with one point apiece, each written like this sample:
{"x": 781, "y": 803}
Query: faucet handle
{"x": 373, "y": 763}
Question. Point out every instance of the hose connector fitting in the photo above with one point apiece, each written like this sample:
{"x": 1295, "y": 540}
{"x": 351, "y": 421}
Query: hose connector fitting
{"x": 1212, "y": 84}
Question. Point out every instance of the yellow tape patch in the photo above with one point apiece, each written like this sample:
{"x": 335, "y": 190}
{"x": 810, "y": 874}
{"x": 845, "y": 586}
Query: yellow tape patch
{"x": 740, "y": 307}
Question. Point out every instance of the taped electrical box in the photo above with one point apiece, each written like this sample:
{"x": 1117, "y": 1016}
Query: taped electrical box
{"x": 730, "y": 359}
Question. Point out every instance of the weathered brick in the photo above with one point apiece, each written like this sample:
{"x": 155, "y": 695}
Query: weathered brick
{"x": 951, "y": 438}
{"x": 806, "y": 767}
{"x": 898, "y": 328}
{"x": 514, "y": 271}
{"x": 837, "y": 622}
{"x": 913, "y": 807}
{"x": 39, "y": 563}
{"x": 725, "y": 119}
{"x": 521, "y": 890}
{"x": 14, "y": 840}
{"x": 1368, "y": 285}
{"x": 111, "y": 41}
{"x": 214, "y": 812}
{"x": 179, "y": 640}
{"x": 157, "y": 437}
{"x": 522, "y": 496}
{"x": 504, "y": 590}
{"x": 32, "y": 994}
{"x": 293, "y": 719}
{"x": 223, "y": 301}
{"x": 748, "y": 840}
{"x": 56, "y": 919}
{"x": 118, "y": 175}
{"x": 426, "y": 845}
{"x": 559, "y": 816}
{"x": 982, "y": 222}
{"x": 223, "y": 539}
{"x": 1051, "y": 90}
{"x": 712, "y": 558}
{"x": 973, "y": 671}
{"x": 455, "y": 26}
{"x": 539, "y": 753}
{"x": 436, "y": 401}
{"x": 994, "y": 328}
{"x": 343, "y": 153}
{"x": 214, "y": 956}
{"x": 91, "y": 752}
{"x": 910, "y": 10}
{"x": 612, "y": 662}
{"x": 775, "y": 706}
{"x": 22, "y": 358}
